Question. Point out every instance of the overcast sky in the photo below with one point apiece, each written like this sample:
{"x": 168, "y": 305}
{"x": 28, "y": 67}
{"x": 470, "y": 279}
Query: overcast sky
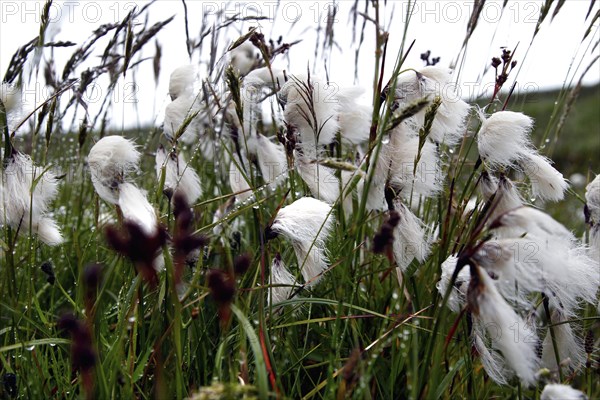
{"x": 556, "y": 55}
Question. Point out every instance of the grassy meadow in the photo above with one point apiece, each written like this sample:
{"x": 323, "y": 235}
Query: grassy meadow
{"x": 81, "y": 320}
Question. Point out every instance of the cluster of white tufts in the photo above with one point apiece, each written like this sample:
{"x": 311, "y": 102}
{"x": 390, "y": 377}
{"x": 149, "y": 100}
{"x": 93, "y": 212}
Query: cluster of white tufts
{"x": 282, "y": 282}
{"x": 307, "y": 223}
{"x": 592, "y": 200}
{"x": 530, "y": 256}
{"x": 185, "y": 120}
{"x": 112, "y": 161}
{"x": 179, "y": 176}
{"x": 503, "y": 142}
{"x": 11, "y": 97}
{"x": 26, "y": 192}
{"x": 556, "y": 391}
{"x": 449, "y": 125}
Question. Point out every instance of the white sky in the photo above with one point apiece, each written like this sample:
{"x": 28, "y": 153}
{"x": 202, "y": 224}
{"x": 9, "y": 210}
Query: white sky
{"x": 556, "y": 55}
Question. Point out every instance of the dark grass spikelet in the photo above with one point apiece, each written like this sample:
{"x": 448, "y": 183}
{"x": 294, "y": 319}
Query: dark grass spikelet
{"x": 184, "y": 241}
{"x": 350, "y": 373}
{"x": 241, "y": 263}
{"x": 83, "y": 355}
{"x": 589, "y": 342}
{"x": 384, "y": 239}
{"x": 222, "y": 290}
{"x": 92, "y": 279}
{"x": 508, "y": 64}
{"x": 132, "y": 242}
{"x": 48, "y": 269}
{"x": 428, "y": 60}
{"x": 222, "y": 287}
{"x": 475, "y": 288}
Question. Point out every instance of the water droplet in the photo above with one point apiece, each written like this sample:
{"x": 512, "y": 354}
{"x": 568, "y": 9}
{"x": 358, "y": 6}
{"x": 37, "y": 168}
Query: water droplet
{"x": 29, "y": 348}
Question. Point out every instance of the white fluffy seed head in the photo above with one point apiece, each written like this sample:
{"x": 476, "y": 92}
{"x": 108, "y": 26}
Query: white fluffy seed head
{"x": 136, "y": 208}
{"x": 237, "y": 180}
{"x": 569, "y": 344}
{"x": 311, "y": 108}
{"x": 457, "y": 297}
{"x": 354, "y": 118}
{"x": 182, "y": 81}
{"x": 506, "y": 195}
{"x": 243, "y": 58}
{"x": 449, "y": 123}
{"x": 546, "y": 182}
{"x": 26, "y": 191}
{"x": 410, "y": 238}
{"x": 111, "y": 160}
{"x": 271, "y": 158}
{"x": 492, "y": 362}
{"x": 11, "y": 97}
{"x": 180, "y": 177}
{"x": 282, "y": 277}
{"x": 592, "y": 199}
{"x": 500, "y": 322}
{"x": 321, "y": 180}
{"x": 503, "y": 138}
{"x": 177, "y": 112}
{"x": 426, "y": 179}
{"x": 379, "y": 167}
{"x": 555, "y": 391}
{"x": 531, "y": 222}
{"x": 48, "y": 231}
{"x": 566, "y": 274}
{"x": 307, "y": 223}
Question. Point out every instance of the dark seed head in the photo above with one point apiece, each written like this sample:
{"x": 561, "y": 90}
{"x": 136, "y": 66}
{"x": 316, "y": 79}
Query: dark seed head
{"x": 48, "y": 269}
{"x": 241, "y": 263}
{"x": 270, "y": 234}
{"x": 92, "y": 274}
{"x": 221, "y": 287}
{"x": 68, "y": 323}
{"x": 589, "y": 342}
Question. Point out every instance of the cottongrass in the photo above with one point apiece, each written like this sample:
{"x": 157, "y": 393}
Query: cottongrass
{"x": 180, "y": 177}
{"x": 307, "y": 223}
{"x": 499, "y": 320}
{"x": 503, "y": 142}
{"x": 522, "y": 290}
{"x": 135, "y": 207}
{"x": 555, "y": 391}
{"x": 26, "y": 192}
{"x": 428, "y": 82}
{"x": 282, "y": 282}
{"x": 112, "y": 160}
{"x": 592, "y": 211}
